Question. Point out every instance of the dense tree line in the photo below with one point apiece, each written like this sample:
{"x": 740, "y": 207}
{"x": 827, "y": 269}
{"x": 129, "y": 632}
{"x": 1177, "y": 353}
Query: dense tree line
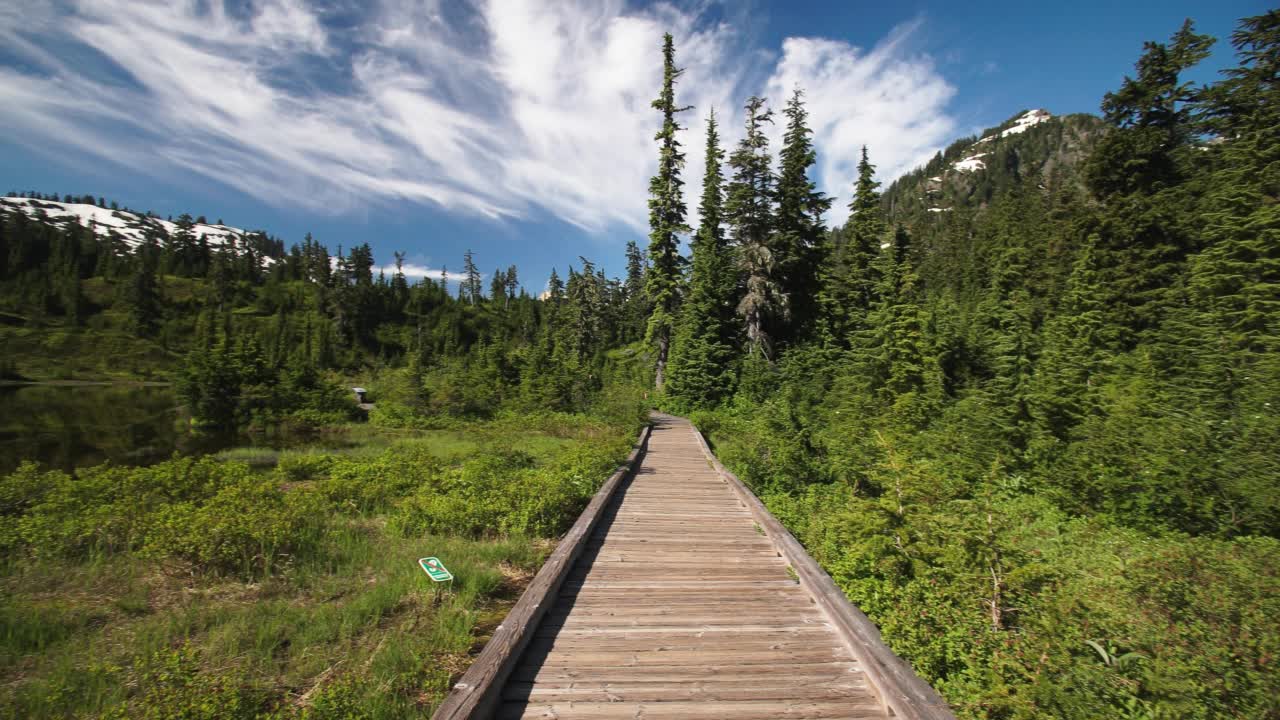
{"x": 260, "y": 325}
{"x": 1084, "y": 337}
{"x": 1033, "y": 305}
{"x": 1029, "y": 433}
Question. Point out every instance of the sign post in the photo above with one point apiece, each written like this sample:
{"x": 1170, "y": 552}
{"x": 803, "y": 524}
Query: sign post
{"x": 435, "y": 569}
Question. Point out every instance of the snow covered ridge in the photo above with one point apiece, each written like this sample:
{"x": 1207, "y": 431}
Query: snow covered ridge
{"x": 972, "y": 161}
{"x": 1024, "y": 121}
{"x": 130, "y": 227}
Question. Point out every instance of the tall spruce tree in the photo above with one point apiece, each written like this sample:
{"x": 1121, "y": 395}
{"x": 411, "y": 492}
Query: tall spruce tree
{"x": 1006, "y": 313}
{"x": 1138, "y": 171}
{"x": 702, "y": 355}
{"x": 891, "y": 352}
{"x": 666, "y": 219}
{"x": 749, "y": 214}
{"x": 850, "y": 279}
{"x": 799, "y": 230}
{"x": 1236, "y": 280}
{"x": 144, "y": 291}
{"x": 1073, "y": 358}
{"x": 470, "y": 290}
{"x": 636, "y": 310}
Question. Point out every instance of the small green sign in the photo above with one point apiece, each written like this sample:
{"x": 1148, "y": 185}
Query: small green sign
{"x": 435, "y": 569}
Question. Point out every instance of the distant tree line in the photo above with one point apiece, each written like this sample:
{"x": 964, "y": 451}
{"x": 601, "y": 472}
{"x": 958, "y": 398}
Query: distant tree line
{"x": 312, "y": 308}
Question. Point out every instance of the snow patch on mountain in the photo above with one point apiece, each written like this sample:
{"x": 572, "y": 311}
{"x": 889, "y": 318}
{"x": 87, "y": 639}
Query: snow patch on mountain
{"x": 1025, "y": 121}
{"x": 971, "y": 163}
{"x": 130, "y": 228}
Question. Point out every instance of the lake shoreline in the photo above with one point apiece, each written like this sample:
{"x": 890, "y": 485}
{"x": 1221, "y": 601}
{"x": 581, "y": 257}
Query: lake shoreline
{"x": 86, "y": 383}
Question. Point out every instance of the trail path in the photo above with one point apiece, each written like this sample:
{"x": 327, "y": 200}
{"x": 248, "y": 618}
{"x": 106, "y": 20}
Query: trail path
{"x": 681, "y": 607}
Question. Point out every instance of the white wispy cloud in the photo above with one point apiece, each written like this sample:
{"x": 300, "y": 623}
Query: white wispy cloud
{"x": 888, "y": 99}
{"x": 417, "y": 271}
{"x": 496, "y": 108}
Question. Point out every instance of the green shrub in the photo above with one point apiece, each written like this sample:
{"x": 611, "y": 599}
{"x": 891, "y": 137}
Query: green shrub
{"x": 94, "y": 512}
{"x": 304, "y": 465}
{"x": 248, "y": 527}
{"x": 391, "y": 414}
{"x": 502, "y": 492}
{"x": 373, "y": 483}
{"x": 173, "y": 686}
{"x": 21, "y": 490}
{"x": 109, "y": 508}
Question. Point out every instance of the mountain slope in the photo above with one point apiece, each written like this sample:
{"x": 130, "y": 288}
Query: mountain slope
{"x": 133, "y": 228}
{"x": 1031, "y": 146}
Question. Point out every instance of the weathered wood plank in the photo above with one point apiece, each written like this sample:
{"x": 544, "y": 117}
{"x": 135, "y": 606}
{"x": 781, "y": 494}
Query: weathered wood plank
{"x": 901, "y": 689}
{"x": 722, "y": 586}
{"x": 666, "y": 691}
{"x": 806, "y": 673}
{"x": 668, "y": 628}
{"x": 740, "y": 710}
{"x": 809, "y": 633}
{"x": 681, "y": 605}
{"x": 478, "y": 692}
{"x": 730, "y": 642}
{"x": 702, "y": 621}
{"x": 683, "y": 602}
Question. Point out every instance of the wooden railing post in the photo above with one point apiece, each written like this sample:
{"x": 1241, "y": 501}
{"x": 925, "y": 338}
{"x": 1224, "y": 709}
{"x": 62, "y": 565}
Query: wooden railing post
{"x": 904, "y": 692}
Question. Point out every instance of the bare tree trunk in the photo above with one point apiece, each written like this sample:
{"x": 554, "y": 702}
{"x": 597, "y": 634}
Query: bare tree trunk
{"x": 660, "y": 370}
{"x": 997, "y": 583}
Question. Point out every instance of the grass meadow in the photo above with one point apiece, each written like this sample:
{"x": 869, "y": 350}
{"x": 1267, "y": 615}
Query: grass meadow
{"x": 282, "y": 584}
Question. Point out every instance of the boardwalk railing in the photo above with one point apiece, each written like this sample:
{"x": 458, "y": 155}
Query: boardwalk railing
{"x": 900, "y": 688}
{"x": 476, "y": 694}
{"x": 679, "y": 609}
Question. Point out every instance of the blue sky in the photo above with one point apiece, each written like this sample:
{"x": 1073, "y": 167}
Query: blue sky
{"x": 518, "y": 128}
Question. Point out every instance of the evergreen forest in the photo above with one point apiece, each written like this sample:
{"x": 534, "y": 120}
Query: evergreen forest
{"x": 1024, "y": 415}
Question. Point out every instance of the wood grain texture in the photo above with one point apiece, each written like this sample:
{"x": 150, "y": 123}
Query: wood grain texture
{"x": 680, "y": 607}
{"x": 900, "y": 688}
{"x": 478, "y": 692}
{"x": 681, "y": 600}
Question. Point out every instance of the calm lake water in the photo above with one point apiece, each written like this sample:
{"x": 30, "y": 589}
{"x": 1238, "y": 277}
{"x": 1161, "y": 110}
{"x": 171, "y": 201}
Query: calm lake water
{"x": 67, "y": 426}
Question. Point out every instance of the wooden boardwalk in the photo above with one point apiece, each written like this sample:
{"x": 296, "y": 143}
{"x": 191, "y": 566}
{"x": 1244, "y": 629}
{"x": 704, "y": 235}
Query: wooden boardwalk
{"x": 679, "y": 604}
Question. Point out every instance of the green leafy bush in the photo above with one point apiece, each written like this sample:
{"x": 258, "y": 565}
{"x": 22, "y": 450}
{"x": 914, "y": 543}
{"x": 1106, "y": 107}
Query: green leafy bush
{"x": 1000, "y": 598}
{"x": 217, "y": 515}
{"x": 247, "y": 527}
{"x": 502, "y": 492}
{"x": 372, "y": 483}
{"x": 173, "y": 686}
{"x": 304, "y": 465}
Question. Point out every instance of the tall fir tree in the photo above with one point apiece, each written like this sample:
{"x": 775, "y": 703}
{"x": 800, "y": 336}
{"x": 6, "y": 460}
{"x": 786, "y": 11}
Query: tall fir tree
{"x": 749, "y": 214}
{"x": 1073, "y": 358}
{"x": 850, "y": 280}
{"x": 1138, "y": 170}
{"x": 666, "y": 219}
{"x": 799, "y": 231}
{"x": 1236, "y": 280}
{"x": 890, "y": 350}
{"x": 470, "y": 290}
{"x": 636, "y": 310}
{"x": 144, "y": 291}
{"x": 1006, "y": 314}
{"x": 703, "y": 351}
